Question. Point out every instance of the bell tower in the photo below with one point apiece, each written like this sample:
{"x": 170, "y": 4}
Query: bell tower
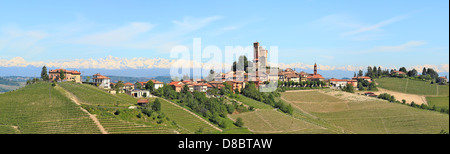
{"x": 315, "y": 68}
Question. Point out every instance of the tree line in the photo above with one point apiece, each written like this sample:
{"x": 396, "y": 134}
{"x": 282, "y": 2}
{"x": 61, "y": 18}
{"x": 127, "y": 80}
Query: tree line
{"x": 426, "y": 74}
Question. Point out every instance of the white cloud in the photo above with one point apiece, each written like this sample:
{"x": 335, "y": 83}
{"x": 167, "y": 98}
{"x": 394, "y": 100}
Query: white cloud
{"x": 376, "y": 26}
{"x": 405, "y": 47}
{"x": 15, "y": 39}
{"x": 191, "y": 23}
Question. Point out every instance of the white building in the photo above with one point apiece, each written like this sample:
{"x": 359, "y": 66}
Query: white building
{"x": 336, "y": 83}
{"x": 102, "y": 81}
{"x": 158, "y": 84}
{"x": 139, "y": 93}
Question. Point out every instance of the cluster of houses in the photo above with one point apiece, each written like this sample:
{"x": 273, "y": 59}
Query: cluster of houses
{"x": 236, "y": 79}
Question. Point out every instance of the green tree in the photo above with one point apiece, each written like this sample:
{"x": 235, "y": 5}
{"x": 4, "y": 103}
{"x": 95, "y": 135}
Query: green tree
{"x": 185, "y": 89}
{"x": 379, "y": 73}
{"x": 412, "y": 73}
{"x": 360, "y": 73}
{"x": 424, "y": 71}
{"x": 62, "y": 75}
{"x": 137, "y": 85}
{"x": 150, "y": 85}
{"x": 403, "y": 69}
{"x": 156, "y": 105}
{"x": 88, "y": 78}
{"x": 44, "y": 75}
{"x": 349, "y": 88}
{"x": 239, "y": 122}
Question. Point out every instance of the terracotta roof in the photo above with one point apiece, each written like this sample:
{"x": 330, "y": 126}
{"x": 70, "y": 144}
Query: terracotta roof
{"x": 399, "y": 72}
{"x": 98, "y": 76}
{"x": 174, "y": 83}
{"x": 177, "y": 85}
{"x": 201, "y": 84}
{"x": 443, "y": 77}
{"x": 316, "y": 76}
{"x": 291, "y": 75}
{"x": 128, "y": 84}
{"x": 156, "y": 81}
{"x": 208, "y": 85}
{"x": 101, "y": 77}
{"x": 214, "y": 82}
{"x": 361, "y": 77}
{"x": 142, "y": 101}
{"x": 65, "y": 71}
{"x": 338, "y": 80}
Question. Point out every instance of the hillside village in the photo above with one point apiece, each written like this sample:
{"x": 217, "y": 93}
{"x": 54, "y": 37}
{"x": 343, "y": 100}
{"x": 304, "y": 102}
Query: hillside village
{"x": 234, "y": 102}
{"x": 237, "y": 80}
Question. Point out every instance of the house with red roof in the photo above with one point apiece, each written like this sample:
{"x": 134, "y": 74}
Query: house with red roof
{"x": 398, "y": 74}
{"x": 176, "y": 85}
{"x": 128, "y": 86}
{"x": 363, "y": 78}
{"x": 443, "y": 79}
{"x": 102, "y": 81}
{"x": 69, "y": 75}
{"x": 158, "y": 84}
{"x": 201, "y": 87}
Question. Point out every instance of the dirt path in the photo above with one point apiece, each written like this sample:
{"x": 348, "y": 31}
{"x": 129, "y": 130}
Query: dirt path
{"x": 192, "y": 114}
{"x": 418, "y": 99}
{"x": 93, "y": 117}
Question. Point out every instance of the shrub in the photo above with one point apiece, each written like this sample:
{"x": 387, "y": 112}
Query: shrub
{"x": 117, "y": 112}
{"x": 239, "y": 122}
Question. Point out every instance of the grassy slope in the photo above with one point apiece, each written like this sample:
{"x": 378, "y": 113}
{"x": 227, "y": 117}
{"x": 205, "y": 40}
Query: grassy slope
{"x": 39, "y": 108}
{"x": 188, "y": 122}
{"x": 439, "y": 102}
{"x": 252, "y": 102}
{"x": 267, "y": 120}
{"x": 93, "y": 96}
{"x": 413, "y": 86}
{"x": 371, "y": 116}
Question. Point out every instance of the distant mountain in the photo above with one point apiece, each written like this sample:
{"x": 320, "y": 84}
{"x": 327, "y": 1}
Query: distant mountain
{"x": 148, "y": 73}
{"x": 8, "y": 82}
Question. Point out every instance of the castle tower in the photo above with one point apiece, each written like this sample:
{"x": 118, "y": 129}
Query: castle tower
{"x": 315, "y": 68}
{"x": 260, "y": 55}
{"x": 256, "y": 54}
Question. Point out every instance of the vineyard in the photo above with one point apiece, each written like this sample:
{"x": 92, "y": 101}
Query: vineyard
{"x": 40, "y": 109}
{"x": 89, "y": 94}
{"x": 104, "y": 105}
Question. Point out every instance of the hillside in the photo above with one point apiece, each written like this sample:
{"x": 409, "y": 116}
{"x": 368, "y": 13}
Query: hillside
{"x": 413, "y": 86}
{"x": 104, "y": 105}
{"x": 365, "y": 115}
{"x": 41, "y": 109}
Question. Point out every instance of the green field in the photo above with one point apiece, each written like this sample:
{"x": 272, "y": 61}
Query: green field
{"x": 274, "y": 122}
{"x": 413, "y": 86}
{"x": 439, "y": 102}
{"x": 252, "y": 102}
{"x": 41, "y": 109}
{"x": 92, "y": 95}
{"x": 370, "y": 116}
{"x": 187, "y": 122}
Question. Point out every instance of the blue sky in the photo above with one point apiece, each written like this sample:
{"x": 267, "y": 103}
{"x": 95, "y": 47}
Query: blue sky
{"x": 334, "y": 33}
